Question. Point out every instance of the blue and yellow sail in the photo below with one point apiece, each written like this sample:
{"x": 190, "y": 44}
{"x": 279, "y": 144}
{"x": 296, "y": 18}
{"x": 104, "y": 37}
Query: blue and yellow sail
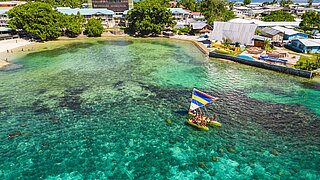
{"x": 200, "y": 99}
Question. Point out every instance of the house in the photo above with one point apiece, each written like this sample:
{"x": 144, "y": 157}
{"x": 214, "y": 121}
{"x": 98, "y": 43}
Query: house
{"x": 200, "y": 28}
{"x": 273, "y": 34}
{"x": 260, "y": 41}
{"x": 197, "y": 15}
{"x": 290, "y": 34}
{"x": 306, "y": 45}
{"x": 242, "y": 11}
{"x": 179, "y": 14}
{"x": 236, "y": 32}
{"x": 301, "y": 10}
{"x": 105, "y": 15}
{"x": 4, "y": 18}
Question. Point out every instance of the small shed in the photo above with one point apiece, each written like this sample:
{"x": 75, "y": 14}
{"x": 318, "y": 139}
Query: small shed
{"x": 274, "y": 34}
{"x": 260, "y": 41}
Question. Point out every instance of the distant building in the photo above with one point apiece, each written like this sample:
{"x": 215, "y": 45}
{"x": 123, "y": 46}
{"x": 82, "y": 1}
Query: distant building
{"x": 306, "y": 45}
{"x": 290, "y": 34}
{"x": 105, "y": 15}
{"x": 8, "y": 4}
{"x": 273, "y": 34}
{"x": 114, "y": 5}
{"x": 197, "y": 15}
{"x": 4, "y": 18}
{"x": 179, "y": 14}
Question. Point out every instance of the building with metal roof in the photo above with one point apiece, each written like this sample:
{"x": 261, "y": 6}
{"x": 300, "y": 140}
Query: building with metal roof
{"x": 290, "y": 34}
{"x": 274, "y": 34}
{"x": 105, "y": 15}
{"x": 179, "y": 14}
{"x": 236, "y": 32}
{"x": 4, "y": 18}
{"x": 306, "y": 45}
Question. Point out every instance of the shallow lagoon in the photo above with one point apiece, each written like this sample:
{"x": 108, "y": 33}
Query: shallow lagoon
{"x": 98, "y": 109}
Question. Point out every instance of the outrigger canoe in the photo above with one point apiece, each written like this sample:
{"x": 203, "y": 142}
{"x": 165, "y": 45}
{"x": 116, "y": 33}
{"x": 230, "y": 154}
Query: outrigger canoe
{"x": 200, "y": 99}
{"x": 196, "y": 125}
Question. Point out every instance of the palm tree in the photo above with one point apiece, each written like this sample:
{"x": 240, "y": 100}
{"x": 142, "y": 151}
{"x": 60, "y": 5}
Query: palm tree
{"x": 310, "y": 3}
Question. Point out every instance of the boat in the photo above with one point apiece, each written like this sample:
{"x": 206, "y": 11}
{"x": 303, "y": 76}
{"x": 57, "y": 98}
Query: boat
{"x": 197, "y": 117}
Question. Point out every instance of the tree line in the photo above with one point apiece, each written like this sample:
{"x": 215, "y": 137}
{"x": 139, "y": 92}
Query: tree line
{"x": 41, "y": 21}
{"x": 150, "y": 17}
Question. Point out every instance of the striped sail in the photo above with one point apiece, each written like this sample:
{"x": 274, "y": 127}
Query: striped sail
{"x": 200, "y": 99}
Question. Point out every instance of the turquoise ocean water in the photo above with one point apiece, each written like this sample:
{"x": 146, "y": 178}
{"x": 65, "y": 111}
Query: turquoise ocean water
{"x": 98, "y": 109}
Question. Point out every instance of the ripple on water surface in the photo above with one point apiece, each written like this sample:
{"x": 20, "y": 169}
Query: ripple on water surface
{"x": 98, "y": 109}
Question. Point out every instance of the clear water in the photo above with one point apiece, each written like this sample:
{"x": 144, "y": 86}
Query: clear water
{"x": 98, "y": 109}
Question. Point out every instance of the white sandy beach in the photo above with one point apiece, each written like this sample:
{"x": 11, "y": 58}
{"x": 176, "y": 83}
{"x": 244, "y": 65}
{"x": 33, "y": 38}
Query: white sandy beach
{"x": 7, "y": 45}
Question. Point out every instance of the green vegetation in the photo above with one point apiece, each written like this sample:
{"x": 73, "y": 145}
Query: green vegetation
{"x": 215, "y": 10}
{"x": 310, "y": 3}
{"x": 73, "y": 25}
{"x": 63, "y": 3}
{"x": 285, "y": 3}
{"x": 310, "y": 21}
{"x": 149, "y": 17}
{"x": 246, "y": 2}
{"x": 37, "y": 18}
{"x": 279, "y": 16}
{"x": 94, "y": 27}
{"x": 184, "y": 30}
{"x": 307, "y": 63}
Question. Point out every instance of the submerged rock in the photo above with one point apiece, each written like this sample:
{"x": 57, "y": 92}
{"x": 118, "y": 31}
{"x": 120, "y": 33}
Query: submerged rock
{"x": 275, "y": 152}
{"x": 54, "y": 119}
{"x": 215, "y": 158}
{"x": 169, "y": 121}
{"x": 23, "y": 125}
{"x": 14, "y": 134}
{"x": 231, "y": 149}
{"x": 220, "y": 150}
{"x": 202, "y": 164}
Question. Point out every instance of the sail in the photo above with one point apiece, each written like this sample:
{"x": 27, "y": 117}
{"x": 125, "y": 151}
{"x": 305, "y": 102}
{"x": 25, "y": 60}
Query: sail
{"x": 200, "y": 99}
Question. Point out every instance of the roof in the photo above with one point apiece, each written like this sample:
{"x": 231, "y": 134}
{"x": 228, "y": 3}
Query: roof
{"x": 5, "y": 29}
{"x": 267, "y": 24}
{"x": 286, "y": 30}
{"x": 310, "y": 42}
{"x": 90, "y": 11}
{"x": 245, "y": 21}
{"x": 178, "y": 11}
{"x": 199, "y": 25}
{"x": 270, "y": 31}
{"x": 195, "y": 13}
{"x": 260, "y": 38}
{"x": 236, "y": 32}
{"x": 4, "y": 10}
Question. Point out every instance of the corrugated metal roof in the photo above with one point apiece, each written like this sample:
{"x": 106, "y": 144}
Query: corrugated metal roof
{"x": 4, "y": 10}
{"x": 236, "y": 32}
{"x": 261, "y": 38}
{"x": 178, "y": 11}
{"x": 70, "y": 11}
{"x": 286, "y": 30}
{"x": 270, "y": 31}
{"x": 310, "y": 42}
{"x": 5, "y": 29}
{"x": 199, "y": 25}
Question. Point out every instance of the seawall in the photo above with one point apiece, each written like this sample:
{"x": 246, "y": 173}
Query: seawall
{"x": 282, "y": 69}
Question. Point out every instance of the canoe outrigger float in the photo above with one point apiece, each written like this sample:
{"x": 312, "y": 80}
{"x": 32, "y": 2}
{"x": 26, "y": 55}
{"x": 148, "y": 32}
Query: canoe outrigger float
{"x": 197, "y": 117}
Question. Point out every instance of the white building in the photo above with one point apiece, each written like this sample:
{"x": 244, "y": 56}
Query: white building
{"x": 4, "y": 18}
{"x": 105, "y": 15}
